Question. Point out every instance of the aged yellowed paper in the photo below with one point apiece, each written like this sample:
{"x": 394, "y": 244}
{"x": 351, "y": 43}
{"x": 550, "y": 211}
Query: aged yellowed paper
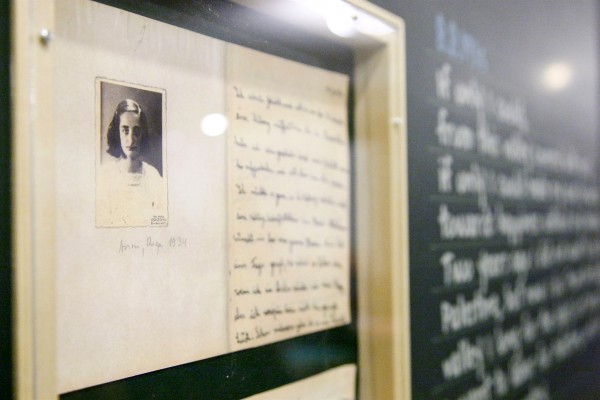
{"x": 289, "y": 198}
{"x": 130, "y": 298}
{"x": 336, "y": 384}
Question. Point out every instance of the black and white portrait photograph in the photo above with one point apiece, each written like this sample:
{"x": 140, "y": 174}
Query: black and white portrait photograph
{"x": 131, "y": 184}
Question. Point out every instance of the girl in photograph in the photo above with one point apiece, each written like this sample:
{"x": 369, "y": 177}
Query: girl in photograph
{"x": 133, "y": 187}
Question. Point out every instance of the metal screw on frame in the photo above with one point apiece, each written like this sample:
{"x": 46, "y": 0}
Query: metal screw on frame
{"x": 45, "y": 36}
{"x": 397, "y": 121}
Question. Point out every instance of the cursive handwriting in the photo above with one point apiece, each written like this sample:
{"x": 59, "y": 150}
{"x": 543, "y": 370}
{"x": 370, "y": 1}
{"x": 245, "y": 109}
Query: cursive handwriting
{"x": 151, "y": 245}
{"x": 289, "y": 177}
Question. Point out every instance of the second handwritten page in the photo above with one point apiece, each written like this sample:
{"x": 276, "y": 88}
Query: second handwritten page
{"x": 289, "y": 198}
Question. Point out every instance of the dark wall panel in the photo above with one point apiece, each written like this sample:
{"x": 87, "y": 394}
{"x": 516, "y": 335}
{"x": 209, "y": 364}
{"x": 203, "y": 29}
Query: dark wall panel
{"x": 503, "y": 192}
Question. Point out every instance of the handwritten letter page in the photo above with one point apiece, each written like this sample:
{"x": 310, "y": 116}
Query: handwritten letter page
{"x": 289, "y": 188}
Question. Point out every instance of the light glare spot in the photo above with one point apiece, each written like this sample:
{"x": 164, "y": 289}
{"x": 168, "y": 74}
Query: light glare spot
{"x": 557, "y": 76}
{"x": 341, "y": 25}
{"x": 344, "y": 19}
{"x": 214, "y": 124}
{"x": 370, "y": 25}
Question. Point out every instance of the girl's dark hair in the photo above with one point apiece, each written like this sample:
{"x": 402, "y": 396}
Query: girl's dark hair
{"x": 113, "y": 136}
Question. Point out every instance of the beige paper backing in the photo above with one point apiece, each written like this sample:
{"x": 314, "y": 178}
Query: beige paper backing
{"x": 132, "y": 300}
{"x": 335, "y": 384}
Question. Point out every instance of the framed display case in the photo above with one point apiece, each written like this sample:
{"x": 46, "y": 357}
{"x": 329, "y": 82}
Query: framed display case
{"x": 209, "y": 199}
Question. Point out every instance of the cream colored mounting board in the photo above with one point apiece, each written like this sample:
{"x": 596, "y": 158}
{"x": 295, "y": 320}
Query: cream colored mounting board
{"x": 380, "y": 193}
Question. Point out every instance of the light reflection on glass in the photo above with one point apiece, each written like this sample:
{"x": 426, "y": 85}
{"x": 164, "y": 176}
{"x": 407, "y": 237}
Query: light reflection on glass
{"x": 345, "y": 20}
{"x": 214, "y": 124}
{"x": 557, "y": 76}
